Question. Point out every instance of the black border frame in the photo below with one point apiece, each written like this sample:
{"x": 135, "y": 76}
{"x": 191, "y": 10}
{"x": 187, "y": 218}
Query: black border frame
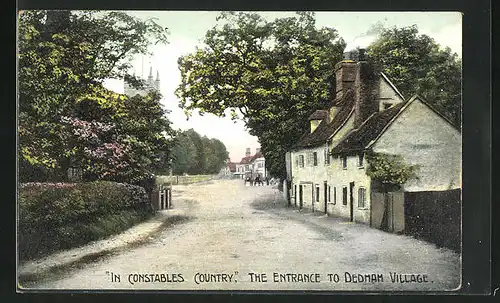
{"x": 476, "y": 115}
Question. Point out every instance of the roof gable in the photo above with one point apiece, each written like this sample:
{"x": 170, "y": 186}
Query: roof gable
{"x": 386, "y": 79}
{"x": 371, "y": 129}
{"x": 374, "y": 127}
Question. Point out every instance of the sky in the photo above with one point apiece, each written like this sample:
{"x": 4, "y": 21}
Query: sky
{"x": 188, "y": 28}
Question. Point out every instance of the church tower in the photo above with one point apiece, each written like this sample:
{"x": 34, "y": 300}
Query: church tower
{"x": 151, "y": 84}
{"x": 150, "y": 77}
{"x": 157, "y": 81}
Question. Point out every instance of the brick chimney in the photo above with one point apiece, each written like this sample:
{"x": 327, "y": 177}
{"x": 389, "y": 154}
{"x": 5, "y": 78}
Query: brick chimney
{"x": 355, "y": 72}
{"x": 247, "y": 153}
{"x": 366, "y": 90}
{"x": 345, "y": 75}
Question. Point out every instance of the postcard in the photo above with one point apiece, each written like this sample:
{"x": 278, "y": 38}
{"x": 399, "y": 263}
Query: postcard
{"x": 239, "y": 151}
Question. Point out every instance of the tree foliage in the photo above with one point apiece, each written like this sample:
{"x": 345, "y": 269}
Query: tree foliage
{"x": 390, "y": 170}
{"x": 416, "y": 64}
{"x": 63, "y": 108}
{"x": 273, "y": 75}
{"x": 194, "y": 154}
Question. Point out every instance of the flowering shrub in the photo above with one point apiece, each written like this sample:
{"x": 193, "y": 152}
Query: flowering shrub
{"x": 98, "y": 148}
{"x": 55, "y": 216}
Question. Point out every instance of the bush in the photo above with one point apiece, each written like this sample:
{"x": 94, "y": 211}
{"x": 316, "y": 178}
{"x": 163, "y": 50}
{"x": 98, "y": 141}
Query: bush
{"x": 54, "y": 216}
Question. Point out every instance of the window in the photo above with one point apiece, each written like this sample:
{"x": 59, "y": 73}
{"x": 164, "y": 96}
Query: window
{"x": 315, "y": 159}
{"x": 301, "y": 161}
{"x": 344, "y": 161}
{"x": 260, "y": 165}
{"x": 317, "y": 193}
{"x": 246, "y": 167}
{"x": 329, "y": 193}
{"x": 361, "y": 197}
{"x": 334, "y": 195}
{"x": 344, "y": 195}
{"x": 297, "y": 161}
{"x": 310, "y": 159}
{"x": 327, "y": 156}
{"x": 361, "y": 160}
{"x": 387, "y": 105}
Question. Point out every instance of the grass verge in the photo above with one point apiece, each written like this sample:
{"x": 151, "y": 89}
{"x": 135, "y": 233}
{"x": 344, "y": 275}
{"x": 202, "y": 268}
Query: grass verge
{"x": 59, "y": 271}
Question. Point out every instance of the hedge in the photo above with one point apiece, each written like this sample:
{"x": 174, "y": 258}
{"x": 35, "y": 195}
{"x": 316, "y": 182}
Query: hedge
{"x": 55, "y": 216}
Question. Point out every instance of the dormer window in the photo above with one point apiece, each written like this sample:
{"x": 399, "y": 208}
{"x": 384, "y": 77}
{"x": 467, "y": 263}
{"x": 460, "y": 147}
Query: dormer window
{"x": 314, "y": 125}
{"x": 316, "y": 118}
{"x": 387, "y": 105}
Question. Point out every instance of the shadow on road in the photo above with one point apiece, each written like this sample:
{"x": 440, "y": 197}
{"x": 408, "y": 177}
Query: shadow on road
{"x": 269, "y": 203}
{"x": 277, "y": 206}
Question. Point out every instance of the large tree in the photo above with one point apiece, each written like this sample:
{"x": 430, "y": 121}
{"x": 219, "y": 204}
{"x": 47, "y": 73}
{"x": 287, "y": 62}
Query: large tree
{"x": 183, "y": 153}
{"x": 63, "y": 59}
{"x": 273, "y": 75}
{"x": 216, "y": 155}
{"x": 416, "y": 64}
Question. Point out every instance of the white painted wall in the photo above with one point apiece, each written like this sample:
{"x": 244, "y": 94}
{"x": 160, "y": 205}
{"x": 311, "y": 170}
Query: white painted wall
{"x": 338, "y": 177}
{"x": 314, "y": 174}
{"x": 259, "y": 167}
{"x": 423, "y": 138}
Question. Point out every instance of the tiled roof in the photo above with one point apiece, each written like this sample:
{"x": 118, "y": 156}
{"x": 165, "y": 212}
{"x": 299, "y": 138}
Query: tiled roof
{"x": 257, "y": 155}
{"x": 359, "y": 138}
{"x": 320, "y": 114}
{"x": 232, "y": 166}
{"x": 246, "y": 160}
{"x": 324, "y": 130}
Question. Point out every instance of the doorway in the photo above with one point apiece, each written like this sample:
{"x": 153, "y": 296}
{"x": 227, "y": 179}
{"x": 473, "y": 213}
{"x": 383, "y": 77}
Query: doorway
{"x": 295, "y": 195}
{"x": 325, "y": 195}
{"x": 351, "y": 201}
{"x": 301, "y": 198}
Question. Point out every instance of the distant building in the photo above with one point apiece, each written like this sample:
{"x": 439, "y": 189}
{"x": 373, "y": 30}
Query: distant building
{"x": 228, "y": 170}
{"x": 244, "y": 167}
{"x": 252, "y": 166}
{"x": 151, "y": 84}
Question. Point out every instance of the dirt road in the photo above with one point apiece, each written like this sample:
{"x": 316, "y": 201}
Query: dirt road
{"x": 244, "y": 238}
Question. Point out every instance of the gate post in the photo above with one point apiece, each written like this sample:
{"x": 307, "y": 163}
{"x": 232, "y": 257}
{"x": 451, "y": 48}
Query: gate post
{"x": 169, "y": 198}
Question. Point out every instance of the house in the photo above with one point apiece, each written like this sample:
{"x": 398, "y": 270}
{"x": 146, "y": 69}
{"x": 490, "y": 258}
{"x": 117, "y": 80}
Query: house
{"x": 228, "y": 170}
{"x": 232, "y": 167}
{"x": 327, "y": 166}
{"x": 259, "y": 165}
{"x": 252, "y": 166}
{"x": 244, "y": 167}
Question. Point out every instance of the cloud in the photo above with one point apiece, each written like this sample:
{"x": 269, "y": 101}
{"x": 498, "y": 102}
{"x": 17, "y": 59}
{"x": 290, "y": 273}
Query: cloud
{"x": 449, "y": 36}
